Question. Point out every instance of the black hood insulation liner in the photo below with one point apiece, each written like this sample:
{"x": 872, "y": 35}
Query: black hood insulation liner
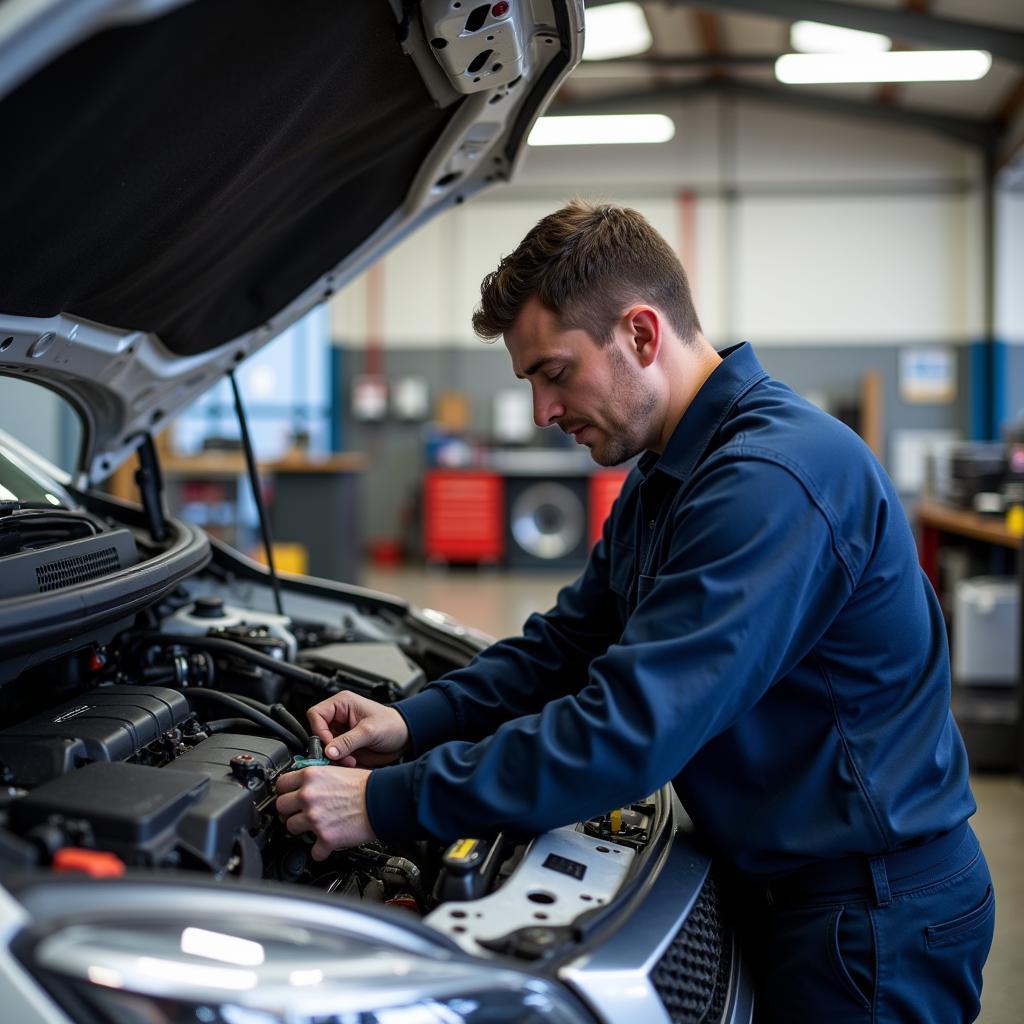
{"x": 192, "y": 175}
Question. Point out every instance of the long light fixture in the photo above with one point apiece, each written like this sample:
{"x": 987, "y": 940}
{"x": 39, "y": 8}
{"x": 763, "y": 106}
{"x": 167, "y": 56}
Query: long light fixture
{"x": 602, "y": 130}
{"x": 616, "y": 30}
{"x": 815, "y": 37}
{"x": 899, "y": 66}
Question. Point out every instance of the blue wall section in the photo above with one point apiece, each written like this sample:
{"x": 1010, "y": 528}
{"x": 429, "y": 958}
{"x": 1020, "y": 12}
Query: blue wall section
{"x": 1013, "y": 383}
{"x": 997, "y": 388}
{"x": 391, "y": 484}
{"x": 980, "y": 391}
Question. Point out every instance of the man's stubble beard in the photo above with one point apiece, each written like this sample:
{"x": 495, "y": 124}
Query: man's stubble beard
{"x": 634, "y": 404}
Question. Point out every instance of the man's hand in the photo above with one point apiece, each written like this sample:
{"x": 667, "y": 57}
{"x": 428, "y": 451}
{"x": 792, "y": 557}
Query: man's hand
{"x": 358, "y": 731}
{"x": 330, "y": 802}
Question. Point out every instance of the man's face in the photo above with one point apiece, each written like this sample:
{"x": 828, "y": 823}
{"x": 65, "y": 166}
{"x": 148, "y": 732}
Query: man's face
{"x": 596, "y": 393}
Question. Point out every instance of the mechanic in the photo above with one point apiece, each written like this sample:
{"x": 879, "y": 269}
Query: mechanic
{"x": 754, "y": 626}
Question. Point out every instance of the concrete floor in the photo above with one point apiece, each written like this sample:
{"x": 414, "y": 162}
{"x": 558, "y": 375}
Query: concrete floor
{"x": 499, "y": 602}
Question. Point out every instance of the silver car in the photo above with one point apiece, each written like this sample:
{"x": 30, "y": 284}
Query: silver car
{"x": 181, "y": 181}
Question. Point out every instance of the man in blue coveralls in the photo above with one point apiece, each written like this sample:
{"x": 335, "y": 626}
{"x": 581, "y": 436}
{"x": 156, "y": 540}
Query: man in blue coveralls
{"x": 753, "y": 626}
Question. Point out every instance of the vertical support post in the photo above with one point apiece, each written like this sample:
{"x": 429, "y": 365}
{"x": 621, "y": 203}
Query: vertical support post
{"x": 1020, "y": 661}
{"x": 990, "y": 387}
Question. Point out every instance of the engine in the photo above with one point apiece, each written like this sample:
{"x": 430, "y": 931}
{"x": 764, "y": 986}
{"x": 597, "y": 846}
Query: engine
{"x": 160, "y": 749}
{"x": 166, "y": 751}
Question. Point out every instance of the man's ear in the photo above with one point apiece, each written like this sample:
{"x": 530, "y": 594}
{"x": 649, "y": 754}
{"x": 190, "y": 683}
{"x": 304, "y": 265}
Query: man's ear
{"x": 644, "y": 324}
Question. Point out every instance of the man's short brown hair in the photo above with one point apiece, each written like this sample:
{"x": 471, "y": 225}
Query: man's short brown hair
{"x": 588, "y": 263}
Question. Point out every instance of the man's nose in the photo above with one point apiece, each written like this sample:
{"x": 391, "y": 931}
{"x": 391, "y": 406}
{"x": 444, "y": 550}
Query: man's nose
{"x": 546, "y": 408}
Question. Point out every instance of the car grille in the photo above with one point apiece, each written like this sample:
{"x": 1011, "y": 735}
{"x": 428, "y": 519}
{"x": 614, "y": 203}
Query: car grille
{"x": 692, "y": 976}
{"x": 66, "y": 572}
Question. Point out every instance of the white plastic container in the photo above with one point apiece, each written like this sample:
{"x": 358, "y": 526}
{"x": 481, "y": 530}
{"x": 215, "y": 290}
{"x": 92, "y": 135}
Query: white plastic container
{"x": 192, "y": 623}
{"x": 986, "y": 631}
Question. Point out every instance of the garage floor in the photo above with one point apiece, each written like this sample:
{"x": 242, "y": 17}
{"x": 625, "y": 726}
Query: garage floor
{"x": 498, "y": 603}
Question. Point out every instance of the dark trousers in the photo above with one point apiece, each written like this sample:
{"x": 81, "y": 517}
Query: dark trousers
{"x": 904, "y": 947}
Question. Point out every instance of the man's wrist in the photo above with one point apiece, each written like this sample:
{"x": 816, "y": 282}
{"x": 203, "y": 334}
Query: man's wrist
{"x": 390, "y": 801}
{"x": 429, "y": 719}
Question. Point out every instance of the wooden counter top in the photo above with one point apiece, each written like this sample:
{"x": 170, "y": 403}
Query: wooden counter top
{"x": 233, "y": 464}
{"x": 966, "y": 523}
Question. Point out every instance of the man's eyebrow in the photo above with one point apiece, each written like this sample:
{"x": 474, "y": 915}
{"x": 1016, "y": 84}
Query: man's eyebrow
{"x": 537, "y": 364}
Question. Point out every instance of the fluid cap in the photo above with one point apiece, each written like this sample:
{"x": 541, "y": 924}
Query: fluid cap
{"x": 208, "y": 608}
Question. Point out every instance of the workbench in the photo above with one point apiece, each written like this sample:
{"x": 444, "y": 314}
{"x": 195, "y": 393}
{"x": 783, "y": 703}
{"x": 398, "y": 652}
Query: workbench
{"x": 937, "y": 520}
{"x": 313, "y": 501}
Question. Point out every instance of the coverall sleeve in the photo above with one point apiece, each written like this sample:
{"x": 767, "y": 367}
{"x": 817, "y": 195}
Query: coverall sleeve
{"x": 751, "y": 580}
{"x": 518, "y": 676}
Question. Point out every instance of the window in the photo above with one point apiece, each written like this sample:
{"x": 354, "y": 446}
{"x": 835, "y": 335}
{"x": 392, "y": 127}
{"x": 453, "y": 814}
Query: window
{"x": 286, "y": 388}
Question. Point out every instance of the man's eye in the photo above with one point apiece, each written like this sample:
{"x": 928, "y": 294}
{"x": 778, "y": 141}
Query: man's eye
{"x": 556, "y": 378}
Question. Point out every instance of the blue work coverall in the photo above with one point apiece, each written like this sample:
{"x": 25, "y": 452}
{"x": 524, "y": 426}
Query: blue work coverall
{"x": 755, "y": 627}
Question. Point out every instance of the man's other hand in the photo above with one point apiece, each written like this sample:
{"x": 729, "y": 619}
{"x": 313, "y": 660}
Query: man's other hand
{"x": 358, "y": 731}
{"x": 330, "y": 802}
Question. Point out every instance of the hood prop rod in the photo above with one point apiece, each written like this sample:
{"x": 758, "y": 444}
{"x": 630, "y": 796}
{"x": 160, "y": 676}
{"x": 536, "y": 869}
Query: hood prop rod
{"x": 257, "y": 494}
{"x": 151, "y": 489}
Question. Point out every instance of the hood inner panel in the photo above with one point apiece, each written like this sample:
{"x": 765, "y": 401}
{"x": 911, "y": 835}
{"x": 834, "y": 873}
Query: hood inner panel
{"x": 190, "y": 176}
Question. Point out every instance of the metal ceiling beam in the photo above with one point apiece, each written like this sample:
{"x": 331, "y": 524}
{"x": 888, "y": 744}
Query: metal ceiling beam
{"x": 1008, "y": 110}
{"x": 976, "y": 133}
{"x": 889, "y": 92}
{"x": 659, "y": 62}
{"x": 710, "y": 32}
{"x": 709, "y": 28}
{"x": 898, "y": 23}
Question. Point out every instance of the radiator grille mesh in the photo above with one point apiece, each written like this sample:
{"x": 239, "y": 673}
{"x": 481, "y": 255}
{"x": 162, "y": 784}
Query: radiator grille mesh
{"x": 692, "y": 976}
{"x": 66, "y": 572}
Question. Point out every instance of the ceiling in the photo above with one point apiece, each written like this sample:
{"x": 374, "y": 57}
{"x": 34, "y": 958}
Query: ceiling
{"x": 728, "y": 47}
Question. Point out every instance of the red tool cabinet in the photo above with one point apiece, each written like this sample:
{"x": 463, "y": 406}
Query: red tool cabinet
{"x": 463, "y": 516}
{"x": 604, "y": 489}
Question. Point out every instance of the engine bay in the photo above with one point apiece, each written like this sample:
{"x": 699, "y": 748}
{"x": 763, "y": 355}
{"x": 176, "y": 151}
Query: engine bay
{"x": 160, "y": 750}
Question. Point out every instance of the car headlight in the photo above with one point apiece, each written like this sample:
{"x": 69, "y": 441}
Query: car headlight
{"x": 257, "y": 970}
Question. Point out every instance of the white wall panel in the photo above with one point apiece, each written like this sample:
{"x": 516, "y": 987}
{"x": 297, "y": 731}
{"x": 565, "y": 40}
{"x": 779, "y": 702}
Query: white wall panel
{"x": 348, "y": 314}
{"x": 808, "y": 229}
{"x": 417, "y": 286}
{"x": 1010, "y": 267}
{"x": 855, "y": 269}
{"x": 712, "y": 276}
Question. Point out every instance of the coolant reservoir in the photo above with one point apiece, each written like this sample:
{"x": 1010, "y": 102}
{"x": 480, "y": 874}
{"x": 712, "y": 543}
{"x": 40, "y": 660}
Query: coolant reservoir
{"x": 207, "y": 613}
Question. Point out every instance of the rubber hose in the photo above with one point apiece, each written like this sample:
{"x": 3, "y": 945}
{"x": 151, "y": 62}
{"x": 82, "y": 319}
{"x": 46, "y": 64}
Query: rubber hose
{"x": 281, "y": 714}
{"x": 282, "y": 668}
{"x": 229, "y": 700}
{"x": 229, "y": 724}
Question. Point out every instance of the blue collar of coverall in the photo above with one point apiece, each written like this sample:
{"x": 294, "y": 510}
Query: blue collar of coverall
{"x": 738, "y": 371}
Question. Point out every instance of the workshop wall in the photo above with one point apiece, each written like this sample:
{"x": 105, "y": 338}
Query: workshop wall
{"x": 832, "y": 244}
{"x": 801, "y": 228}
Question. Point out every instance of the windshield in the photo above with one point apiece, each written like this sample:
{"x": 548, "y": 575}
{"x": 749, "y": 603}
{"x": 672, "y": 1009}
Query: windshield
{"x": 19, "y": 487}
{"x": 40, "y": 436}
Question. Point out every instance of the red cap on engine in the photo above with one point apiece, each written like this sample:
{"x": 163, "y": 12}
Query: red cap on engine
{"x": 95, "y": 863}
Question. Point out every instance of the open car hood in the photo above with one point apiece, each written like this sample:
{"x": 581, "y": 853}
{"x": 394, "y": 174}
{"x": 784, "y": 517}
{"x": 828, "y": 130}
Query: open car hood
{"x": 184, "y": 179}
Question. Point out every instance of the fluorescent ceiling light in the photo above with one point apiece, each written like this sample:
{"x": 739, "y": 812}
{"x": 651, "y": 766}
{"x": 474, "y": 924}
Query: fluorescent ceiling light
{"x": 901, "y": 66}
{"x": 615, "y": 30}
{"x": 814, "y": 37}
{"x": 602, "y": 130}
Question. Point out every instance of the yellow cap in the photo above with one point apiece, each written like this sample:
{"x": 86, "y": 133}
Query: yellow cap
{"x": 616, "y": 820}
{"x": 1015, "y": 520}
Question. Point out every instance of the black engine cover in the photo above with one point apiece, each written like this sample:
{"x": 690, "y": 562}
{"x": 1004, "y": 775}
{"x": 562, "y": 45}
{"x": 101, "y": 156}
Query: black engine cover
{"x": 107, "y": 724}
{"x": 147, "y": 816}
